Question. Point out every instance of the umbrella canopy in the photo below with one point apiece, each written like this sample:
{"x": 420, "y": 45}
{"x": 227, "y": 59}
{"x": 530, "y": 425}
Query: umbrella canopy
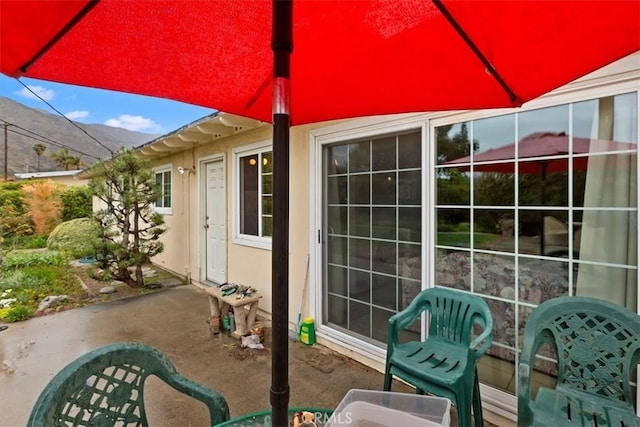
{"x": 351, "y": 59}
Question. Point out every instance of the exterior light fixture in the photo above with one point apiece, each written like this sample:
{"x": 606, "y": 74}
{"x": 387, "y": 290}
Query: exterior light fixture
{"x": 182, "y": 170}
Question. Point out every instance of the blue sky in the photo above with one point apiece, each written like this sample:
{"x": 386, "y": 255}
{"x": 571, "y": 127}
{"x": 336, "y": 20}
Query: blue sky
{"x": 133, "y": 112}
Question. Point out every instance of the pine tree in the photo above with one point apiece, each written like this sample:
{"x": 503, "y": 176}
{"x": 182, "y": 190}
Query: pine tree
{"x": 129, "y": 227}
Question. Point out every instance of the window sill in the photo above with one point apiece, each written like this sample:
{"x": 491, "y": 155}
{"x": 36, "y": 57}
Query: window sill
{"x": 252, "y": 241}
{"x": 163, "y": 211}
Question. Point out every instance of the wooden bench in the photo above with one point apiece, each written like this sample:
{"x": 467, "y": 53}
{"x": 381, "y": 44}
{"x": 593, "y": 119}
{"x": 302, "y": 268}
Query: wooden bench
{"x": 220, "y": 307}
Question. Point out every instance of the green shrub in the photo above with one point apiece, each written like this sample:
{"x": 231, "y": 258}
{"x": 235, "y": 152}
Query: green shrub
{"x": 463, "y": 226}
{"x": 76, "y": 203}
{"x": 13, "y": 221}
{"x": 445, "y": 227}
{"x": 76, "y": 237}
{"x": 13, "y": 196}
{"x": 10, "y": 192}
{"x": 12, "y": 185}
{"x": 30, "y": 285}
{"x": 18, "y": 313}
{"x": 22, "y": 259}
{"x": 26, "y": 242}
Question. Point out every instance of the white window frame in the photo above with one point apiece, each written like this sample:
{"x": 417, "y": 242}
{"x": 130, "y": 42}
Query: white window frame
{"x": 494, "y": 399}
{"x": 160, "y": 170}
{"x": 239, "y": 238}
{"x": 602, "y": 83}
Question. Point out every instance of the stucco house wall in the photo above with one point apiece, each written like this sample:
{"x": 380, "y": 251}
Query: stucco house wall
{"x": 251, "y": 265}
{"x": 245, "y": 264}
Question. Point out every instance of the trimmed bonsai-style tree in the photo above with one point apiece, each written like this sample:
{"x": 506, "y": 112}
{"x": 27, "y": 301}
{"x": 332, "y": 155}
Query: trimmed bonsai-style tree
{"x": 129, "y": 228}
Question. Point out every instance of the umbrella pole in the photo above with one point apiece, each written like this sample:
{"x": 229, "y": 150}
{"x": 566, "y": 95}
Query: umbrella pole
{"x": 282, "y": 45}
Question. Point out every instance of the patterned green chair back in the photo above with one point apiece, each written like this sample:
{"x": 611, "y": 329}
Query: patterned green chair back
{"x": 105, "y": 387}
{"x": 597, "y": 343}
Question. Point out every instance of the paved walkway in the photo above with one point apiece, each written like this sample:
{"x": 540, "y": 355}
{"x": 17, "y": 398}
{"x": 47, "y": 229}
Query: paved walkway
{"x": 174, "y": 321}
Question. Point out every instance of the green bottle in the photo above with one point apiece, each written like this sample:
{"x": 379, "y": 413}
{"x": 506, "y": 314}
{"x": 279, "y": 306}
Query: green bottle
{"x": 307, "y": 331}
{"x": 226, "y": 323}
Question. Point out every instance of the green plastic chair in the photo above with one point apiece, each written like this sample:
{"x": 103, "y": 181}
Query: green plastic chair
{"x": 597, "y": 344}
{"x": 105, "y": 387}
{"x": 460, "y": 332}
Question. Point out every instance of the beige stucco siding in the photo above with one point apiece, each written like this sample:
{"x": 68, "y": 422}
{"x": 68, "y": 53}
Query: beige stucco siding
{"x": 183, "y": 240}
{"x": 252, "y": 265}
{"x": 245, "y": 264}
{"x": 175, "y": 256}
{"x": 298, "y": 220}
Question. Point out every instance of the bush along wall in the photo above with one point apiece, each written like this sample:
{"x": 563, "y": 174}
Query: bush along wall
{"x": 76, "y": 203}
{"x": 76, "y": 237}
{"x": 27, "y": 216}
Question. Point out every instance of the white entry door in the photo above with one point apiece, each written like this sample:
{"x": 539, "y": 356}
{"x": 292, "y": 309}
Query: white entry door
{"x": 215, "y": 222}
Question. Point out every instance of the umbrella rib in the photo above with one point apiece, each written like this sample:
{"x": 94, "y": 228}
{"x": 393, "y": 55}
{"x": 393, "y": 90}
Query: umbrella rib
{"x": 90, "y": 5}
{"x": 490, "y": 68}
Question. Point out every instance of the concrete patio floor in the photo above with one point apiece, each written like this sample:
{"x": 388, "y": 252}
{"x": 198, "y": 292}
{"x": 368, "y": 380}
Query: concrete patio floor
{"x": 174, "y": 321}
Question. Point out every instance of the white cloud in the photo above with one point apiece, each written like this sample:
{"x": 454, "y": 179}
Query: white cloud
{"x": 75, "y": 115}
{"x": 134, "y": 123}
{"x": 46, "y": 94}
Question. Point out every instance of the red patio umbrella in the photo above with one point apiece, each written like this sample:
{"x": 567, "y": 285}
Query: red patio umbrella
{"x": 352, "y": 58}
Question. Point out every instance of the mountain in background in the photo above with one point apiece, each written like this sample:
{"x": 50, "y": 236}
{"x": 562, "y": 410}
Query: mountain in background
{"x": 30, "y": 126}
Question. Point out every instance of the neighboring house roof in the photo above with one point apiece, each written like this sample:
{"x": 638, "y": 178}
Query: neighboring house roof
{"x": 50, "y": 174}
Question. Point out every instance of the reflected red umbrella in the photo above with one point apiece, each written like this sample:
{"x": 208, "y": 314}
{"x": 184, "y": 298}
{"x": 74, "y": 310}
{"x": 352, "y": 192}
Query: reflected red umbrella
{"x": 352, "y": 58}
{"x": 535, "y": 155}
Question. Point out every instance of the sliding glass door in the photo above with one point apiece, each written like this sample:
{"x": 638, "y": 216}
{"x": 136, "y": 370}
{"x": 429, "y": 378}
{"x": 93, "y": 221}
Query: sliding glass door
{"x": 372, "y": 232}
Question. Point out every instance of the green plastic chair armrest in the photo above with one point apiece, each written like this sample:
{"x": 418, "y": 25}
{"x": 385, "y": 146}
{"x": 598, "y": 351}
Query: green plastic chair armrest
{"x": 401, "y": 320}
{"x": 107, "y": 384}
{"x": 534, "y": 338}
{"x": 525, "y": 417}
{"x": 212, "y": 399}
{"x": 482, "y": 342}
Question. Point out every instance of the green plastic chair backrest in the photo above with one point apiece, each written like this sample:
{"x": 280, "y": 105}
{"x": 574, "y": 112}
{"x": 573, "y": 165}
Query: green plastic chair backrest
{"x": 453, "y": 315}
{"x": 597, "y": 343}
{"x": 105, "y": 387}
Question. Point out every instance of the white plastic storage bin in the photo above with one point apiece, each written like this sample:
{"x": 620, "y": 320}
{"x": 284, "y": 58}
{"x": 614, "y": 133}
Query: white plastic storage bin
{"x": 361, "y": 408}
